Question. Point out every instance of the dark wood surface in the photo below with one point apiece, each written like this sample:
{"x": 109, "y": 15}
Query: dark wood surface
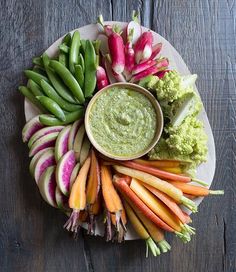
{"x": 31, "y": 233}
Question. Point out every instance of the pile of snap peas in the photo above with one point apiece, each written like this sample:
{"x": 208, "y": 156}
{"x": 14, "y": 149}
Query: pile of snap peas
{"x": 60, "y": 87}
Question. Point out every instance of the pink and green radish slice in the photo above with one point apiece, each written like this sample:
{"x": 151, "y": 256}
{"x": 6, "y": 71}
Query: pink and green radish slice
{"x": 35, "y": 159}
{"x": 61, "y": 200}
{"x": 46, "y": 160}
{"x": 43, "y": 142}
{"x": 79, "y": 140}
{"x": 64, "y": 170}
{"x": 42, "y": 132}
{"x": 74, "y": 174}
{"x": 61, "y": 146}
{"x": 47, "y": 186}
{"x": 84, "y": 150}
{"x": 73, "y": 132}
{"x": 30, "y": 128}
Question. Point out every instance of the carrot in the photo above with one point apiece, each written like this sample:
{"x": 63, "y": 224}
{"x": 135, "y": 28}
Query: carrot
{"x": 174, "y": 170}
{"x": 159, "y": 184}
{"x": 121, "y": 226}
{"x": 190, "y": 196}
{"x": 159, "y": 163}
{"x": 93, "y": 211}
{"x": 196, "y": 190}
{"x": 169, "y": 202}
{"x": 141, "y": 231}
{"x": 77, "y": 199}
{"x": 93, "y": 185}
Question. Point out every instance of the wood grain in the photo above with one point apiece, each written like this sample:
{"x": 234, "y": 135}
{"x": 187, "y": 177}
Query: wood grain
{"x": 31, "y": 234}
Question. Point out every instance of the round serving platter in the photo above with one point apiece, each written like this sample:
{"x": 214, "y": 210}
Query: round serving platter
{"x": 206, "y": 170}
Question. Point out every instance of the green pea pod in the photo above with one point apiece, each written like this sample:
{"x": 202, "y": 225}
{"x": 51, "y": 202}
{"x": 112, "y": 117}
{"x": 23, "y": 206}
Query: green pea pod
{"x": 74, "y": 51}
{"x": 96, "y": 45}
{"x": 52, "y": 107}
{"x": 68, "y": 79}
{"x": 50, "y": 120}
{"x": 36, "y": 77}
{"x": 79, "y": 75}
{"x": 64, "y": 48}
{"x": 59, "y": 86}
{"x": 67, "y": 39}
{"x": 51, "y": 93}
{"x": 27, "y": 93}
{"x": 38, "y": 61}
{"x": 35, "y": 88}
{"x": 40, "y": 70}
{"x": 90, "y": 69}
{"x": 81, "y": 61}
{"x": 83, "y": 46}
{"x": 63, "y": 59}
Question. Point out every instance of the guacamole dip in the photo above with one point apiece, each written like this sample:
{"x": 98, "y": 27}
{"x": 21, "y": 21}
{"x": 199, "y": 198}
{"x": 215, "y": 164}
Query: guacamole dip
{"x": 123, "y": 121}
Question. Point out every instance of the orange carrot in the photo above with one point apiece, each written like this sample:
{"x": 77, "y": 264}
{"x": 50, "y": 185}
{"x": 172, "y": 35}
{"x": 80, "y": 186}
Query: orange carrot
{"x": 174, "y": 170}
{"x": 195, "y": 190}
{"x": 159, "y": 163}
{"x": 94, "y": 210}
{"x": 190, "y": 196}
{"x": 120, "y": 230}
{"x": 169, "y": 202}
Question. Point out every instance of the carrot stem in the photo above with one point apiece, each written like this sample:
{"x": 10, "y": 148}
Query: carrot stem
{"x": 200, "y": 182}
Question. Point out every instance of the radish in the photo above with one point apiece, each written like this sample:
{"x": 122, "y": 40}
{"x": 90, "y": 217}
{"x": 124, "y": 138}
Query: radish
{"x": 102, "y": 80}
{"x": 73, "y": 132}
{"x": 79, "y": 140}
{"x": 46, "y": 159}
{"x": 74, "y": 174}
{"x": 162, "y": 73}
{"x": 138, "y": 68}
{"x": 42, "y": 132}
{"x": 129, "y": 55}
{"x": 104, "y": 44}
{"x": 156, "y": 49}
{"x": 135, "y": 26}
{"x": 47, "y": 186}
{"x": 43, "y": 142}
{"x": 35, "y": 159}
{"x": 30, "y": 128}
{"x": 61, "y": 146}
{"x": 64, "y": 170}
{"x": 84, "y": 150}
{"x": 61, "y": 200}
{"x": 109, "y": 70}
{"x": 143, "y": 47}
{"x": 106, "y": 29}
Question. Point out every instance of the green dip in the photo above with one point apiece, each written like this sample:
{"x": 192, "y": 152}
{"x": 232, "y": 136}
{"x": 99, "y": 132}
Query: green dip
{"x": 123, "y": 122}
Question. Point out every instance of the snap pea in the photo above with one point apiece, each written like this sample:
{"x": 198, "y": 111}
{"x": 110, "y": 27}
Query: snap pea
{"x": 83, "y": 46}
{"x": 63, "y": 59}
{"x": 90, "y": 69}
{"x": 81, "y": 61}
{"x": 36, "y": 77}
{"x": 64, "y": 48}
{"x": 79, "y": 75}
{"x": 51, "y": 93}
{"x": 52, "y": 107}
{"x": 40, "y": 70}
{"x": 50, "y": 120}
{"x": 68, "y": 79}
{"x": 27, "y": 93}
{"x": 38, "y": 61}
{"x": 67, "y": 39}
{"x": 58, "y": 85}
{"x": 74, "y": 51}
{"x": 96, "y": 45}
{"x": 34, "y": 87}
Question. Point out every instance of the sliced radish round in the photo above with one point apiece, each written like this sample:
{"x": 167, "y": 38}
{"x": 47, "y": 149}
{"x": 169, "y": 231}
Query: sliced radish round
{"x": 44, "y": 131}
{"x": 46, "y": 159}
{"x": 79, "y": 140}
{"x": 61, "y": 146}
{"x": 43, "y": 142}
{"x": 61, "y": 200}
{"x": 47, "y": 186}
{"x": 137, "y": 31}
{"x": 74, "y": 174}
{"x": 84, "y": 150}
{"x": 73, "y": 132}
{"x": 64, "y": 170}
{"x": 36, "y": 157}
{"x": 30, "y": 128}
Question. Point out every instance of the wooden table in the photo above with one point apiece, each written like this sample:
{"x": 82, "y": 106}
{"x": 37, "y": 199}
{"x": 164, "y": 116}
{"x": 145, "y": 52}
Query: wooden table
{"x": 31, "y": 233}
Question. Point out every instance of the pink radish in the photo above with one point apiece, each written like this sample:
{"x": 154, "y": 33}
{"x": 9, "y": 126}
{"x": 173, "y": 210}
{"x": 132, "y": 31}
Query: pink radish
{"x": 162, "y": 73}
{"x": 156, "y": 49}
{"x": 107, "y": 29}
{"x": 61, "y": 200}
{"x": 73, "y": 132}
{"x": 84, "y": 150}
{"x": 74, "y": 174}
{"x": 143, "y": 47}
{"x": 162, "y": 64}
{"x": 109, "y": 70}
{"x": 102, "y": 80}
{"x": 43, "y": 142}
{"x": 104, "y": 44}
{"x": 47, "y": 186}
{"x": 138, "y": 68}
{"x": 129, "y": 55}
{"x": 64, "y": 170}
{"x": 42, "y": 132}
{"x": 135, "y": 26}
{"x": 79, "y": 140}
{"x": 35, "y": 159}
{"x": 46, "y": 159}
{"x": 30, "y": 128}
{"x": 61, "y": 146}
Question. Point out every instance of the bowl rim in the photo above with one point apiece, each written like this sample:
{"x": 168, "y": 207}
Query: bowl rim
{"x": 155, "y": 104}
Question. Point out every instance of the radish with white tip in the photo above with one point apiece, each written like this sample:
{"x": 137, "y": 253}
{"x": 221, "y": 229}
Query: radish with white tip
{"x": 143, "y": 47}
{"x": 135, "y": 26}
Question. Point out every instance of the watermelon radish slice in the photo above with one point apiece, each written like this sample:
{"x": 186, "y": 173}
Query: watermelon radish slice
{"x": 74, "y": 174}
{"x": 61, "y": 146}
{"x": 43, "y": 142}
{"x": 84, "y": 150}
{"x": 47, "y": 186}
{"x": 46, "y": 159}
{"x": 35, "y": 159}
{"x": 73, "y": 132}
{"x": 44, "y": 131}
{"x": 30, "y": 128}
{"x": 64, "y": 170}
{"x": 61, "y": 200}
{"x": 79, "y": 140}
